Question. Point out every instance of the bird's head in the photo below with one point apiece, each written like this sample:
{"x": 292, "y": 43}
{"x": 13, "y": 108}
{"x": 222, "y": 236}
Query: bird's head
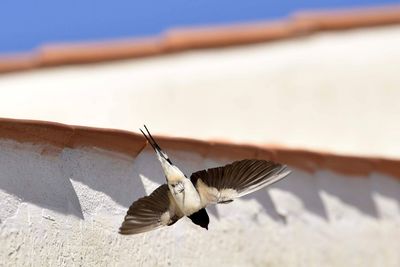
{"x": 200, "y": 218}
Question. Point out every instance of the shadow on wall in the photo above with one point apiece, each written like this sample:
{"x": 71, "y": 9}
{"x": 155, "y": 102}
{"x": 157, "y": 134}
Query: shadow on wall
{"x": 357, "y": 191}
{"x": 306, "y": 188}
{"x": 45, "y": 180}
{"x": 113, "y": 174}
{"x": 36, "y": 178}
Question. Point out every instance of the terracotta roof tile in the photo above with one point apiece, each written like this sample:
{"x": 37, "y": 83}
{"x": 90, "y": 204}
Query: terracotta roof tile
{"x": 61, "y": 135}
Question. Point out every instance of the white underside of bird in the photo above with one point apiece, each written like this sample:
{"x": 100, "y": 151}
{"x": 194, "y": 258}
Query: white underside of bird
{"x": 186, "y": 196}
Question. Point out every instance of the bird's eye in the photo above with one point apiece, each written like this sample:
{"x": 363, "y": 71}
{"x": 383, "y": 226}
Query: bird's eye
{"x": 173, "y": 185}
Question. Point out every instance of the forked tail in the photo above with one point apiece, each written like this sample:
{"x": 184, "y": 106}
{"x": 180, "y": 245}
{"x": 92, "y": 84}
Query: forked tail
{"x": 155, "y": 146}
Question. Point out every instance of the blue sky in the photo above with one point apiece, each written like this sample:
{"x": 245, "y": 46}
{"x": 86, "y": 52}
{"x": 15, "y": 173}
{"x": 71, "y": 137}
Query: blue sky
{"x": 25, "y": 25}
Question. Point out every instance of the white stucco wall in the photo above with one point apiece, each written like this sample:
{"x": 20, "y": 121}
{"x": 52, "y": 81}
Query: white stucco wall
{"x": 335, "y": 91}
{"x": 65, "y": 209}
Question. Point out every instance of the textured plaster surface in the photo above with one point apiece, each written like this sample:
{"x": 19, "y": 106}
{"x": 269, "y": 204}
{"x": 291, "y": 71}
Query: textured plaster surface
{"x": 64, "y": 208}
{"x": 334, "y": 91}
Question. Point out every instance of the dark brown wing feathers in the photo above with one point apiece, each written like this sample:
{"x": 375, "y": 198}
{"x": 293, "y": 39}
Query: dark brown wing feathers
{"x": 237, "y": 175}
{"x": 145, "y": 213}
{"x": 243, "y": 176}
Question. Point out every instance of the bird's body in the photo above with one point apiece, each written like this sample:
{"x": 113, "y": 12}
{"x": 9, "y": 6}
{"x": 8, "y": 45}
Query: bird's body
{"x": 182, "y": 196}
{"x": 185, "y": 195}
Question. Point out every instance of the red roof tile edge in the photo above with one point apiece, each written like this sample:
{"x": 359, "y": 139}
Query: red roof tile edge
{"x": 57, "y": 136}
{"x": 299, "y": 24}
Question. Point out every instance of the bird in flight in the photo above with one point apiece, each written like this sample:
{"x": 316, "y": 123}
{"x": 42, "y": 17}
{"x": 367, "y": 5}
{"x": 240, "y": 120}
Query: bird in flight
{"x": 182, "y": 196}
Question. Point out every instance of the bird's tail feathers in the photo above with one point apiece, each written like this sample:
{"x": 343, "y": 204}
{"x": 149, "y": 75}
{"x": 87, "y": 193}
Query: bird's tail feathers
{"x": 160, "y": 153}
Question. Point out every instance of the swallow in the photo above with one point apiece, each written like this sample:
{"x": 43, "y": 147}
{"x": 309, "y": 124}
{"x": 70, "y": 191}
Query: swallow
{"x": 182, "y": 196}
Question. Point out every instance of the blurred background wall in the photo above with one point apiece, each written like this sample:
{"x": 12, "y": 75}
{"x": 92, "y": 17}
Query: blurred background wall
{"x": 335, "y": 91}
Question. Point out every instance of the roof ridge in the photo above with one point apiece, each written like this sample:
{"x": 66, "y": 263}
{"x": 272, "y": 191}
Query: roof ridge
{"x": 171, "y": 41}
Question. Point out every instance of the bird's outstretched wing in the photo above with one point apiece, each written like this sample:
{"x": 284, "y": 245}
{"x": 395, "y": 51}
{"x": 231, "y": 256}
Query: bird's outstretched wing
{"x": 150, "y": 212}
{"x": 223, "y": 184}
